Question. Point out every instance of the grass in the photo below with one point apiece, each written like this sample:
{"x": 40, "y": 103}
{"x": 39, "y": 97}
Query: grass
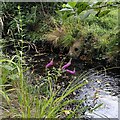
{"x": 21, "y": 100}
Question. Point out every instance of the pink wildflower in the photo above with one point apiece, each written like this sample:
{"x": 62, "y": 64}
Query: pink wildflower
{"x": 67, "y": 65}
{"x": 70, "y": 71}
{"x": 49, "y": 64}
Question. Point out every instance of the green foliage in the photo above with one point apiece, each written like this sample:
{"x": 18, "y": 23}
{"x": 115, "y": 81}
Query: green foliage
{"x": 77, "y": 19}
{"x": 99, "y": 19}
{"x": 30, "y": 23}
{"x": 76, "y": 8}
{"x": 106, "y": 30}
{"x": 67, "y": 40}
{"x": 46, "y": 99}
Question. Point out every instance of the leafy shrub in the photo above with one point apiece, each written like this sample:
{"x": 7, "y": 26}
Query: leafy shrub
{"x": 101, "y": 23}
{"x": 24, "y": 19}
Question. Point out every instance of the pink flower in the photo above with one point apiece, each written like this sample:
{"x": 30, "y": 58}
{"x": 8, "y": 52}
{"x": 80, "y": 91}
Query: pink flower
{"x": 49, "y": 64}
{"x": 70, "y": 71}
{"x": 67, "y": 65}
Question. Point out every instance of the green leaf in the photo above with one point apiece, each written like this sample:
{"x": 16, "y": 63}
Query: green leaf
{"x": 8, "y": 67}
{"x": 72, "y": 4}
{"x": 66, "y": 9}
{"x": 5, "y": 96}
{"x": 66, "y": 6}
{"x": 97, "y": 4}
{"x": 87, "y": 13}
{"x": 103, "y": 13}
{"x": 14, "y": 77}
{"x": 98, "y": 106}
{"x": 81, "y": 6}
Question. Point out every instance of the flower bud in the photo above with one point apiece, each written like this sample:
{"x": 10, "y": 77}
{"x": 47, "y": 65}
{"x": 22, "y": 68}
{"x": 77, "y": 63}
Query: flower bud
{"x": 49, "y": 64}
{"x": 67, "y": 65}
{"x": 70, "y": 71}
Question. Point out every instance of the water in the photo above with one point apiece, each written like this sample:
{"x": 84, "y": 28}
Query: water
{"x": 109, "y": 109}
{"x": 102, "y": 89}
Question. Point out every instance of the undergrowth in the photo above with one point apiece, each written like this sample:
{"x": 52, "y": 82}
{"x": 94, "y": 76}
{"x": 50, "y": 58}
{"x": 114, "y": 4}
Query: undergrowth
{"x": 37, "y": 23}
{"x": 104, "y": 31}
{"x": 20, "y": 99}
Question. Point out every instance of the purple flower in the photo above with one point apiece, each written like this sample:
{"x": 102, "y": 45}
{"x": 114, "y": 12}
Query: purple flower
{"x": 67, "y": 65}
{"x": 49, "y": 64}
{"x": 70, "y": 71}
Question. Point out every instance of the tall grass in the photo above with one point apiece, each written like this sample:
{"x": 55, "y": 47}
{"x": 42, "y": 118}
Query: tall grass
{"x": 19, "y": 100}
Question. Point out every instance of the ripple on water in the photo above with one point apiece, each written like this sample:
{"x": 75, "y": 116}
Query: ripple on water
{"x": 105, "y": 86}
{"x": 109, "y": 109}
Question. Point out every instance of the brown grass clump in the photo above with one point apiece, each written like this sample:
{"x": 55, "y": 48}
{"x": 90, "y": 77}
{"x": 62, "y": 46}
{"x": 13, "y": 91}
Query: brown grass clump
{"x": 79, "y": 43}
{"x": 56, "y": 36}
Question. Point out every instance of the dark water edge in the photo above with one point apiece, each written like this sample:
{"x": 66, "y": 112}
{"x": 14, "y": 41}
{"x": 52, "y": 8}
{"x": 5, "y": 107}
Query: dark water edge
{"x": 40, "y": 59}
{"x": 100, "y": 70}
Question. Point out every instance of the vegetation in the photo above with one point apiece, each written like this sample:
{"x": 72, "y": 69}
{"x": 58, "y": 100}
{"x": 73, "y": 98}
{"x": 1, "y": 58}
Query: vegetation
{"x": 79, "y": 25}
{"x": 24, "y": 25}
{"x": 45, "y": 100}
